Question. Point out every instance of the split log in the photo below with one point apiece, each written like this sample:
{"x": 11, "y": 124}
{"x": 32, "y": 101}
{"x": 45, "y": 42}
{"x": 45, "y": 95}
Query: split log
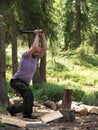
{"x": 15, "y": 100}
{"x": 12, "y": 121}
{"x": 83, "y": 112}
{"x": 51, "y": 116}
{"x": 50, "y": 104}
{"x": 94, "y": 110}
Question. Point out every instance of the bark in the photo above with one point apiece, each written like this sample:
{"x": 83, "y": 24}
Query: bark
{"x": 3, "y": 91}
{"x": 40, "y": 74}
{"x": 43, "y": 69}
{"x": 67, "y": 99}
{"x": 78, "y": 24}
{"x": 14, "y": 44}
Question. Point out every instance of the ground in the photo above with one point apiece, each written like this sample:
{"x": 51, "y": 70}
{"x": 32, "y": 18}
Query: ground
{"x": 89, "y": 122}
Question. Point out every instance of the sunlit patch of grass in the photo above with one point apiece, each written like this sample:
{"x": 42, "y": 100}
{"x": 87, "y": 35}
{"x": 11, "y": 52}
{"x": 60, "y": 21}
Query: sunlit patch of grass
{"x": 8, "y": 74}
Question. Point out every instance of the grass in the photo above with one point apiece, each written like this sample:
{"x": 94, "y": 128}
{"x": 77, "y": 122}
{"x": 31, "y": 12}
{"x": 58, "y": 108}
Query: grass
{"x": 76, "y": 70}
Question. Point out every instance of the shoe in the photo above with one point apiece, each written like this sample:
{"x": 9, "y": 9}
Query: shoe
{"x": 10, "y": 110}
{"x": 30, "y": 116}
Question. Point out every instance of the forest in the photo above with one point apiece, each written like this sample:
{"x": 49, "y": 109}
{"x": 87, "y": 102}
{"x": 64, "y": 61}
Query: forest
{"x": 71, "y": 28}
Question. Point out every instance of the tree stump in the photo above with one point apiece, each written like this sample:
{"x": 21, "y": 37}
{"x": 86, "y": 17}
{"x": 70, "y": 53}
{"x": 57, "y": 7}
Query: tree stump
{"x": 67, "y": 99}
{"x": 68, "y": 114}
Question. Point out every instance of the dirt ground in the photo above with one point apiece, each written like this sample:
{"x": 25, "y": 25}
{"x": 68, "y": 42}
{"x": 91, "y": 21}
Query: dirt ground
{"x": 89, "y": 122}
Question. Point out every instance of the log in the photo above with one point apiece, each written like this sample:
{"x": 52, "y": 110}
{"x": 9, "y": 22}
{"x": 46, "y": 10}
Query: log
{"x": 21, "y": 123}
{"x": 12, "y": 121}
{"x": 35, "y": 124}
{"x": 51, "y": 116}
{"x": 67, "y": 99}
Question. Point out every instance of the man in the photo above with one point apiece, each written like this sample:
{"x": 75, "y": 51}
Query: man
{"x": 21, "y": 80}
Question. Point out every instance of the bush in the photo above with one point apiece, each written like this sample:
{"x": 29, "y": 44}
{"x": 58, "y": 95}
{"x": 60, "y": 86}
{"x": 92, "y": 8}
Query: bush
{"x": 78, "y": 94}
{"x": 86, "y": 54}
{"x": 54, "y": 92}
{"x": 89, "y": 99}
{"x": 49, "y": 92}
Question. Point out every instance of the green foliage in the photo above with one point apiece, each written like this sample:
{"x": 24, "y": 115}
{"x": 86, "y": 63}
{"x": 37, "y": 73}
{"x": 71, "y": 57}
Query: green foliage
{"x": 86, "y": 55}
{"x": 8, "y": 87}
{"x": 96, "y": 94}
{"x": 78, "y": 94}
{"x": 59, "y": 67}
{"x": 49, "y": 92}
{"x": 8, "y": 61}
{"x": 90, "y": 99}
{"x": 94, "y": 5}
{"x": 2, "y": 108}
{"x": 93, "y": 60}
{"x": 2, "y": 24}
{"x": 86, "y": 21}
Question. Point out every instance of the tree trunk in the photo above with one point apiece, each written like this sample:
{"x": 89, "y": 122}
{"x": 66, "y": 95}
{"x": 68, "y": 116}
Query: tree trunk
{"x": 14, "y": 44}
{"x": 78, "y": 24}
{"x": 96, "y": 35}
{"x": 67, "y": 99}
{"x": 3, "y": 91}
{"x": 96, "y": 43}
{"x": 43, "y": 68}
{"x": 40, "y": 74}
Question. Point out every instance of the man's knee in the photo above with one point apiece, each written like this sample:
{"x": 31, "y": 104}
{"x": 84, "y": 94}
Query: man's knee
{"x": 29, "y": 94}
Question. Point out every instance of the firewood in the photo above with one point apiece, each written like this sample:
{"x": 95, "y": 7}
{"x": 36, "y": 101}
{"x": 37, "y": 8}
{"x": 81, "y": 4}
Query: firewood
{"x": 51, "y": 116}
{"x": 35, "y": 124}
{"x": 15, "y": 100}
{"x": 83, "y": 112}
{"x": 50, "y": 104}
{"x": 13, "y": 121}
{"x": 94, "y": 110}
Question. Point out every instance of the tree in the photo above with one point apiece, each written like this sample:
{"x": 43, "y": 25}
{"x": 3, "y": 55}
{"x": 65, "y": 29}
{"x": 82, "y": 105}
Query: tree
{"x": 14, "y": 44}
{"x": 3, "y": 92}
{"x": 13, "y": 13}
{"x": 93, "y": 40}
{"x": 77, "y": 23}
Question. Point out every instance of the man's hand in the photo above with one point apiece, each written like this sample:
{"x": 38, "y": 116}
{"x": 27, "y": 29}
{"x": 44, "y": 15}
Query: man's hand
{"x": 36, "y": 32}
{"x": 40, "y": 31}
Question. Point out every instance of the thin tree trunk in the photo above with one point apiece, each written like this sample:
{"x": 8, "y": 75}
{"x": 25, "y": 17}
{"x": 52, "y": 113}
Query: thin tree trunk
{"x": 96, "y": 35}
{"x": 14, "y": 44}
{"x": 96, "y": 43}
{"x": 3, "y": 92}
{"x": 78, "y": 24}
{"x": 43, "y": 69}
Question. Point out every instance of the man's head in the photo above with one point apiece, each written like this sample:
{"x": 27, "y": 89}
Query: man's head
{"x": 36, "y": 52}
